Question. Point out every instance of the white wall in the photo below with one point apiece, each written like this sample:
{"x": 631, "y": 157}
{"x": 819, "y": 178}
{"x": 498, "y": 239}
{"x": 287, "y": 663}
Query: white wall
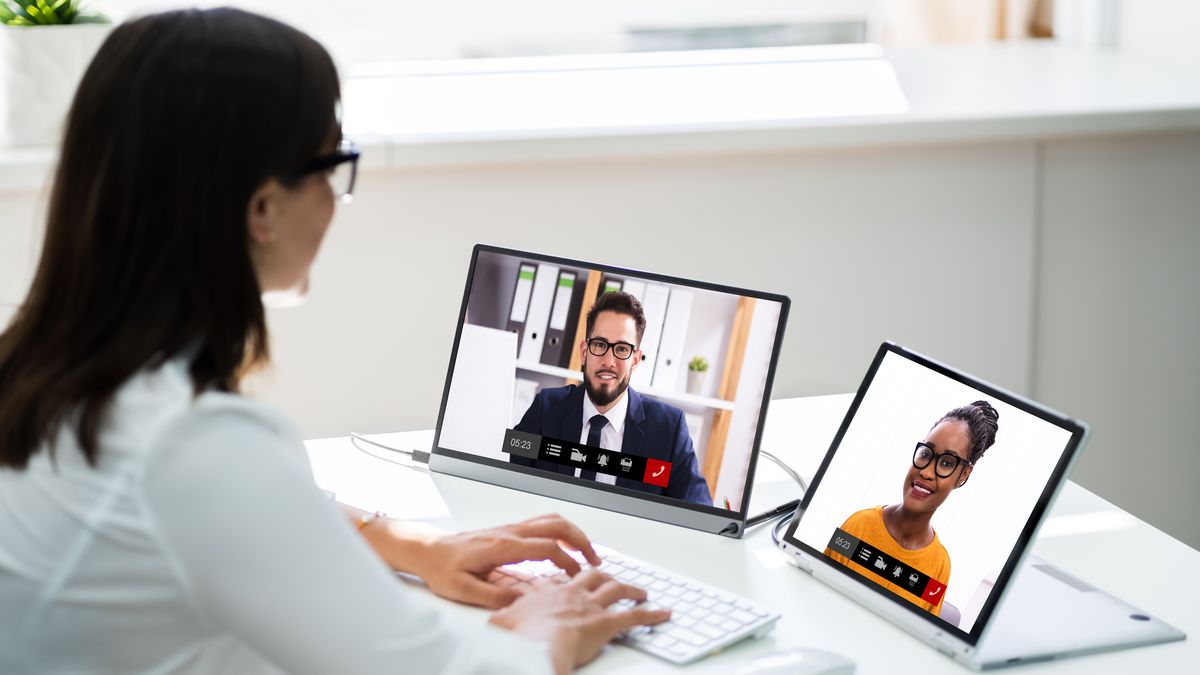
{"x": 1065, "y": 270}
{"x": 869, "y": 246}
{"x": 21, "y": 229}
{"x": 1166, "y": 30}
{"x": 1119, "y": 317}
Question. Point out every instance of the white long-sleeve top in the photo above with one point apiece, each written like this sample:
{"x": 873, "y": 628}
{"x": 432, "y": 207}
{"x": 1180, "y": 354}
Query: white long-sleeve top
{"x": 199, "y": 544}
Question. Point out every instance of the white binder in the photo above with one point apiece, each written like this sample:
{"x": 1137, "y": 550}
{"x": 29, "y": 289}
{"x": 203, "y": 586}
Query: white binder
{"x": 635, "y": 288}
{"x": 654, "y": 306}
{"x": 520, "y": 302}
{"x": 538, "y": 318}
{"x": 670, "y": 366}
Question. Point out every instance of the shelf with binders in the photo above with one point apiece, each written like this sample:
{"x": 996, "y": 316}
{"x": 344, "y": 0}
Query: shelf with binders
{"x": 682, "y": 398}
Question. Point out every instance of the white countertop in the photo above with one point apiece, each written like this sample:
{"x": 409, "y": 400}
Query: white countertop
{"x": 468, "y": 112}
{"x": 1084, "y": 535}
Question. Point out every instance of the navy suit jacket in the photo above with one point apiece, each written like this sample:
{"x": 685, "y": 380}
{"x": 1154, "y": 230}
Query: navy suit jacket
{"x": 652, "y": 429}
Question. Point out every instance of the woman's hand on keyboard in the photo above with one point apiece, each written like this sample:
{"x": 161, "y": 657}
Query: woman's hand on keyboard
{"x": 457, "y": 566}
{"x": 574, "y": 617}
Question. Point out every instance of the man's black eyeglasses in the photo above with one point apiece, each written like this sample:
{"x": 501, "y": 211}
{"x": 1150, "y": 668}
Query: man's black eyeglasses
{"x": 947, "y": 462}
{"x": 341, "y": 166}
{"x": 600, "y": 347}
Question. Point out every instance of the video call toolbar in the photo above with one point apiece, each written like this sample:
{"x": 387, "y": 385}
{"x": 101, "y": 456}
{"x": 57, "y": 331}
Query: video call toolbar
{"x": 883, "y": 565}
{"x": 566, "y": 453}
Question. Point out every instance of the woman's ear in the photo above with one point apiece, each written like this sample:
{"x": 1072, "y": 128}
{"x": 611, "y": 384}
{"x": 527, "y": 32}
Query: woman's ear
{"x": 262, "y": 213}
{"x": 962, "y": 480}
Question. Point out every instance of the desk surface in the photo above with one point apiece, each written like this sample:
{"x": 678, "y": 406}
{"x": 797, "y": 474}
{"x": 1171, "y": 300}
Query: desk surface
{"x": 1086, "y": 535}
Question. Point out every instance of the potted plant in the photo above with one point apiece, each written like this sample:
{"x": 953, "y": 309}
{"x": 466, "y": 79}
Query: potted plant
{"x": 697, "y": 371}
{"x": 45, "y": 45}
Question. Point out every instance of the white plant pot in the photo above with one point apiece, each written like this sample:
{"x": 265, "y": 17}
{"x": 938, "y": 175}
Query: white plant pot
{"x": 40, "y": 67}
{"x": 695, "y": 381}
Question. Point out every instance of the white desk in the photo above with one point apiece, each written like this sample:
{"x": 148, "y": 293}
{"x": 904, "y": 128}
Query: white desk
{"x": 1108, "y": 548}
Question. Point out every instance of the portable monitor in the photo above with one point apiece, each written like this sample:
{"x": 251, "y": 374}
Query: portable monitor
{"x": 926, "y": 504}
{"x": 630, "y": 391}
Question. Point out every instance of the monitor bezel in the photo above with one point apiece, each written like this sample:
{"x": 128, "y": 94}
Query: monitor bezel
{"x": 1054, "y": 483}
{"x": 609, "y": 497}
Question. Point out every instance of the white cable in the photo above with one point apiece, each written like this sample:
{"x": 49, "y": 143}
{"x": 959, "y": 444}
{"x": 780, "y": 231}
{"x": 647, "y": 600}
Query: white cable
{"x": 786, "y": 469}
{"x": 415, "y": 455}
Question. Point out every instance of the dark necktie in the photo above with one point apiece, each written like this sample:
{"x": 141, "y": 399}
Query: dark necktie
{"x": 597, "y": 422}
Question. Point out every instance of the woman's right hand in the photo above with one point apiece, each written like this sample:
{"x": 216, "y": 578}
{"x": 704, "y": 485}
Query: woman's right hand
{"x": 574, "y": 616}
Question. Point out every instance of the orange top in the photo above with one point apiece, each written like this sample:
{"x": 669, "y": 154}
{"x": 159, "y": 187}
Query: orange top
{"x": 933, "y": 560}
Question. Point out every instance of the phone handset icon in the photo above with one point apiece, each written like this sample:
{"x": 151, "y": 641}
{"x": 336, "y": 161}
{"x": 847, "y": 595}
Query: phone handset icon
{"x": 660, "y": 471}
{"x": 935, "y": 591}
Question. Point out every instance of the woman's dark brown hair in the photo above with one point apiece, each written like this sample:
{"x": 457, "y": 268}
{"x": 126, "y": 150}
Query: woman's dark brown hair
{"x": 180, "y": 117}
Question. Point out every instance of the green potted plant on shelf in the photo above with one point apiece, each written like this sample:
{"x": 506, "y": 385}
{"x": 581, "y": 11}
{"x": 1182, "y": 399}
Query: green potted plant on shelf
{"x": 45, "y": 45}
{"x": 697, "y": 372}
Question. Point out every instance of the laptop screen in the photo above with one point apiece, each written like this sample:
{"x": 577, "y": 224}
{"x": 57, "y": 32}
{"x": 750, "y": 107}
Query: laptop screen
{"x": 933, "y": 488}
{"x": 611, "y": 380}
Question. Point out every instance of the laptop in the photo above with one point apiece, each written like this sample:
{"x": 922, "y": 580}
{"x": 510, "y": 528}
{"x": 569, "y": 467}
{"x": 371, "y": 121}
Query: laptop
{"x": 680, "y": 369}
{"x": 625, "y": 390}
{"x": 926, "y": 505}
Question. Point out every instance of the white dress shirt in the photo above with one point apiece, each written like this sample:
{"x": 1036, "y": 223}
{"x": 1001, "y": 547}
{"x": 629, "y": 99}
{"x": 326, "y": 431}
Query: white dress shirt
{"x": 612, "y": 437}
{"x": 199, "y": 544}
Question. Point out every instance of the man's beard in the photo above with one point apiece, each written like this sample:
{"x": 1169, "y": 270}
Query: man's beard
{"x": 602, "y": 397}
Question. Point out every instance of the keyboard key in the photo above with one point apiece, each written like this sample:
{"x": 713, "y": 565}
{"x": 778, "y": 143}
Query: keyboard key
{"x": 663, "y": 640}
{"x": 739, "y": 615}
{"x": 688, "y": 636}
{"x": 710, "y": 631}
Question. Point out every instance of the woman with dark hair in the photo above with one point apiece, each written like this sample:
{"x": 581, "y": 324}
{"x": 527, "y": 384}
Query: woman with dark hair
{"x": 941, "y": 463}
{"x": 151, "y": 519}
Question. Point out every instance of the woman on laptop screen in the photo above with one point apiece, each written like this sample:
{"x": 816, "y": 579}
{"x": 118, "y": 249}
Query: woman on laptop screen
{"x": 897, "y": 546}
{"x": 152, "y": 520}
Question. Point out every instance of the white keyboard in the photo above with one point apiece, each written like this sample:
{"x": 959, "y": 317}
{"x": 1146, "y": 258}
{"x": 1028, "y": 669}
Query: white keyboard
{"x": 704, "y": 619}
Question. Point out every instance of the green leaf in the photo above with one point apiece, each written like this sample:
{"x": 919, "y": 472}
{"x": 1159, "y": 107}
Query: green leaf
{"x": 47, "y": 12}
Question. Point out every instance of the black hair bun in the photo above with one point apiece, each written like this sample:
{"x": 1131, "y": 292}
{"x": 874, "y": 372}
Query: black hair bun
{"x": 982, "y": 420}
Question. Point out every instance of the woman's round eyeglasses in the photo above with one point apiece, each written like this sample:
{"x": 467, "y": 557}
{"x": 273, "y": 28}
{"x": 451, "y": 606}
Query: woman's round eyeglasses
{"x": 946, "y": 463}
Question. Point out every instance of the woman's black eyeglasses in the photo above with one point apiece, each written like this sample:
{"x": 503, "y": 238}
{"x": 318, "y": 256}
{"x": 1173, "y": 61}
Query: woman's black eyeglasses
{"x": 341, "y": 166}
{"x": 600, "y": 347}
{"x": 947, "y": 462}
